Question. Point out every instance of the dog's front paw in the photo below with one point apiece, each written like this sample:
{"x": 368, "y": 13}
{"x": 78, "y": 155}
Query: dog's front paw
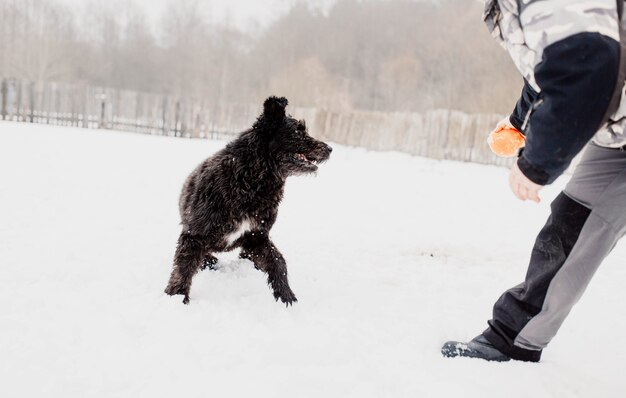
{"x": 245, "y": 255}
{"x": 286, "y": 296}
{"x": 209, "y": 262}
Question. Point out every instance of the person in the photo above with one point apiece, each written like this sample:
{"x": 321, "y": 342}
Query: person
{"x": 570, "y": 56}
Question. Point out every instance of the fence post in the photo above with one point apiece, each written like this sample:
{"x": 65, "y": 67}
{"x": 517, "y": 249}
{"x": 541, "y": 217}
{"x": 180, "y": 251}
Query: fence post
{"x": 86, "y": 108}
{"x": 138, "y": 114}
{"x": 177, "y": 130}
{"x": 4, "y": 90}
{"x": 31, "y": 101}
{"x": 18, "y": 102}
{"x": 164, "y": 116}
{"x": 103, "y": 98}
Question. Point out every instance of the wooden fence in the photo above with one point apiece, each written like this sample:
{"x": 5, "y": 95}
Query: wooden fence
{"x": 438, "y": 134}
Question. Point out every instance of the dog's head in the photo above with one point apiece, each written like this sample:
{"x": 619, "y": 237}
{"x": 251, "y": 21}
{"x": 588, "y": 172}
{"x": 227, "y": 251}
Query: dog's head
{"x": 289, "y": 142}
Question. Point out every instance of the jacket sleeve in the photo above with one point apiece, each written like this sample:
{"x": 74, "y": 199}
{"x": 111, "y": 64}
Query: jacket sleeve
{"x": 577, "y": 75}
{"x": 525, "y": 102}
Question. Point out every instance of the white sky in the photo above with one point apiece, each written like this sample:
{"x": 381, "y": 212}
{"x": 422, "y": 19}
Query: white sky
{"x": 247, "y": 15}
{"x": 237, "y": 12}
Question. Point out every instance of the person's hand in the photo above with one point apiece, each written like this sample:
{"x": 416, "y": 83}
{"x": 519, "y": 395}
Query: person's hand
{"x": 522, "y": 187}
{"x": 506, "y": 122}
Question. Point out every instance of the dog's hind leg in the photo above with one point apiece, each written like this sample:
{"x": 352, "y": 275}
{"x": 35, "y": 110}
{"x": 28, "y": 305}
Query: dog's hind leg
{"x": 187, "y": 261}
{"x": 261, "y": 251}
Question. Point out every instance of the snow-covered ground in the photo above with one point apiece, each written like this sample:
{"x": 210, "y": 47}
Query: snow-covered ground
{"x": 389, "y": 255}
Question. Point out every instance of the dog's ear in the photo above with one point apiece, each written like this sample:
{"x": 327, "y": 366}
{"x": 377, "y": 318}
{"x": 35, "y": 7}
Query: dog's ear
{"x": 274, "y": 108}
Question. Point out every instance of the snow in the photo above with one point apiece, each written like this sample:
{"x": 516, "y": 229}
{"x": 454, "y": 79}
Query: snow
{"x": 389, "y": 255}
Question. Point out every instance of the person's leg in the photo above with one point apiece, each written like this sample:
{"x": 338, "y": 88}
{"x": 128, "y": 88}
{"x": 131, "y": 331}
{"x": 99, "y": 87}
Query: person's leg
{"x": 586, "y": 222}
{"x": 521, "y": 303}
{"x": 604, "y": 227}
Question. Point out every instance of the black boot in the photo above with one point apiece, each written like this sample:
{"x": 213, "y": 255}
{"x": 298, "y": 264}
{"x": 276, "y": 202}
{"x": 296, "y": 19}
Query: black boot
{"x": 479, "y": 347}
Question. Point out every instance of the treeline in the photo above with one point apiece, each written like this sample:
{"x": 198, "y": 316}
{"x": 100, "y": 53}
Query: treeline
{"x": 395, "y": 55}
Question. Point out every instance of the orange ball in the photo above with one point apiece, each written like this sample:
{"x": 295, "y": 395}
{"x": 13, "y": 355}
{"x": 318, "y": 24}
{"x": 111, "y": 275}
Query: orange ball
{"x": 505, "y": 141}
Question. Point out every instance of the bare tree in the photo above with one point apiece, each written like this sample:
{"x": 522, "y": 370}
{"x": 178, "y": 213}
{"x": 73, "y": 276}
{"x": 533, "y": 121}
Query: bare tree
{"x": 364, "y": 54}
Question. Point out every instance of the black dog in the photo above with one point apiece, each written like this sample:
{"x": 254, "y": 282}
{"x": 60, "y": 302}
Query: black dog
{"x": 231, "y": 199}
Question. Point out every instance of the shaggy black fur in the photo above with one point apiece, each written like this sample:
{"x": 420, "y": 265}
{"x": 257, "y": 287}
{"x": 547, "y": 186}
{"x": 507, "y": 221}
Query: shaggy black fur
{"x": 231, "y": 199}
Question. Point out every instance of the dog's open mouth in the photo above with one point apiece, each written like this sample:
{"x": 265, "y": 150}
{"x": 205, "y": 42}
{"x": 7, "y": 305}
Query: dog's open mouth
{"x": 306, "y": 160}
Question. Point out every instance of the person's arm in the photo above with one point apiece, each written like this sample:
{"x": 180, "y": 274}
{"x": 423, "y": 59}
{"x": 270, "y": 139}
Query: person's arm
{"x": 525, "y": 102}
{"x": 577, "y": 75}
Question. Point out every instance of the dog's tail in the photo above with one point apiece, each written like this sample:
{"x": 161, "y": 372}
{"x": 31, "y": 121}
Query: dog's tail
{"x": 187, "y": 261}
